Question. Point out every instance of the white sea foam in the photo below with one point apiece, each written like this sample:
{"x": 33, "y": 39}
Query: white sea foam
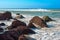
{"x": 52, "y": 33}
{"x": 26, "y": 10}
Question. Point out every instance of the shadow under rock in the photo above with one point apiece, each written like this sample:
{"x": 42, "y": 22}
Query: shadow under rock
{"x": 29, "y": 38}
{"x": 50, "y": 26}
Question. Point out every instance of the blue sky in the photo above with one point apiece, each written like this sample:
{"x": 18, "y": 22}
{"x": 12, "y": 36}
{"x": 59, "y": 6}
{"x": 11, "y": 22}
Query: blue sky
{"x": 29, "y": 3}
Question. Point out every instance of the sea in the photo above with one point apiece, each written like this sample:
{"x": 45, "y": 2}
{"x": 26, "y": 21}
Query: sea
{"x": 50, "y": 33}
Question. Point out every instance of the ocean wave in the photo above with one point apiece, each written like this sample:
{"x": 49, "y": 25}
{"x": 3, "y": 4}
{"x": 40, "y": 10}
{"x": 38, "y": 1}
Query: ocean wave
{"x": 26, "y": 9}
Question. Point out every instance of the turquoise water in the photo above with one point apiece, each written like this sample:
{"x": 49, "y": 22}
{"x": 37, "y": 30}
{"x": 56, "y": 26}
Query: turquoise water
{"x": 50, "y": 14}
{"x": 36, "y": 13}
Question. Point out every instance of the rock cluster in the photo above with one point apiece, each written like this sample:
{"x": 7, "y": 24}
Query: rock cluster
{"x": 18, "y": 29}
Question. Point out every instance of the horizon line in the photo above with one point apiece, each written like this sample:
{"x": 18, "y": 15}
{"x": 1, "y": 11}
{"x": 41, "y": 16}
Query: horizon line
{"x": 29, "y": 8}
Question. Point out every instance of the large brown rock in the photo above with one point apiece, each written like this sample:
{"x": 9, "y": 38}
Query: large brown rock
{"x": 37, "y": 22}
{"x": 47, "y": 18}
{"x": 5, "y": 37}
{"x": 13, "y": 34}
{"x": 5, "y": 16}
{"x": 16, "y": 33}
{"x": 23, "y": 30}
{"x": 17, "y": 23}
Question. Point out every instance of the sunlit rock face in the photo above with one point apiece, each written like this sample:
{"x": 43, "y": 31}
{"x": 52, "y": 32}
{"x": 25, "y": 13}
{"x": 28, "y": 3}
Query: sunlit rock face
{"x": 5, "y": 16}
{"x": 37, "y": 22}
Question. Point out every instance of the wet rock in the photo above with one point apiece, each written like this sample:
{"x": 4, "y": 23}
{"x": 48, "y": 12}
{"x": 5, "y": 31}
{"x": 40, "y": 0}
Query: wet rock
{"x": 16, "y": 33}
{"x": 19, "y": 17}
{"x": 9, "y": 35}
{"x": 13, "y": 34}
{"x": 18, "y": 14}
{"x": 17, "y": 23}
{"x": 47, "y": 18}
{"x": 22, "y": 37}
{"x": 5, "y": 16}
{"x": 23, "y": 30}
{"x": 28, "y": 31}
{"x": 19, "y": 28}
{"x": 31, "y": 25}
{"x": 2, "y": 24}
{"x": 1, "y": 30}
{"x": 37, "y": 22}
{"x": 5, "y": 37}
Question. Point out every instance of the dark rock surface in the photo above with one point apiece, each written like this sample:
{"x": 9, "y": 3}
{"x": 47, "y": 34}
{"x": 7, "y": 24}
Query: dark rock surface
{"x": 5, "y": 16}
{"x": 2, "y": 24}
{"x": 19, "y": 16}
{"x": 23, "y": 30}
{"x": 1, "y": 30}
{"x": 17, "y": 23}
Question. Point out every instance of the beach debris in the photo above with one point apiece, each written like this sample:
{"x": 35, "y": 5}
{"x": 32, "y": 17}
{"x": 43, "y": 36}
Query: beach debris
{"x": 5, "y": 16}
{"x": 37, "y": 21}
{"x": 47, "y": 18}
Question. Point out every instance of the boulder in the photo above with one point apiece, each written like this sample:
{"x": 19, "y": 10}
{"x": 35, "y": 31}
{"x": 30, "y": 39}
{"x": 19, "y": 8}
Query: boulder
{"x": 47, "y": 18}
{"x": 16, "y": 33}
{"x": 23, "y": 30}
{"x": 19, "y": 28}
{"x": 37, "y": 22}
{"x": 17, "y": 13}
{"x": 19, "y": 16}
{"x": 28, "y": 31}
{"x": 13, "y": 34}
{"x": 31, "y": 25}
{"x": 17, "y": 23}
{"x": 5, "y": 37}
{"x": 5, "y": 16}
{"x": 2, "y": 24}
{"x": 22, "y": 37}
{"x": 10, "y": 35}
{"x": 1, "y": 30}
